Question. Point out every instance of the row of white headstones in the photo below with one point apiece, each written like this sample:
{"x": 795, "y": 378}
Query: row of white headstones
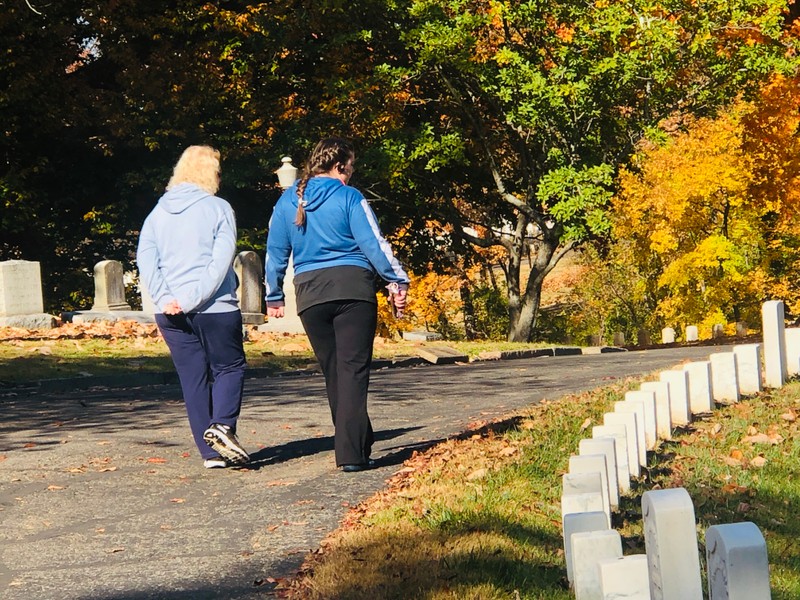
{"x": 736, "y": 553}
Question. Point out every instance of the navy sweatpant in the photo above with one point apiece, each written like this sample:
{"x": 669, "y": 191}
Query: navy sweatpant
{"x": 208, "y": 354}
{"x": 342, "y": 334}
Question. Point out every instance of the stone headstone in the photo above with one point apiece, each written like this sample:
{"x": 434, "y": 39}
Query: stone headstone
{"x": 724, "y": 377}
{"x": 717, "y": 330}
{"x": 701, "y": 399}
{"x": 594, "y": 463}
{"x": 773, "y": 328}
{"x": 588, "y": 549}
{"x": 692, "y": 335}
{"x": 663, "y": 412}
{"x": 668, "y": 335}
{"x": 792, "y": 335}
{"x": 648, "y": 402}
{"x": 741, "y": 329}
{"x": 607, "y": 447}
{"x": 620, "y": 436}
{"x": 670, "y": 537}
{"x": 738, "y": 569}
{"x": 637, "y": 408}
{"x": 748, "y": 368}
{"x": 109, "y": 287}
{"x": 625, "y": 578}
{"x": 678, "y": 381}
{"x": 580, "y": 523}
{"x": 247, "y": 266}
{"x": 629, "y": 421}
{"x": 20, "y": 288}
{"x": 442, "y": 355}
{"x": 21, "y": 303}
{"x": 290, "y": 322}
{"x": 619, "y": 338}
{"x": 643, "y": 338}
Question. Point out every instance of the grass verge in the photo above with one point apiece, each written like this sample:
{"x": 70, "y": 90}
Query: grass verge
{"x": 103, "y": 349}
{"x": 478, "y": 517}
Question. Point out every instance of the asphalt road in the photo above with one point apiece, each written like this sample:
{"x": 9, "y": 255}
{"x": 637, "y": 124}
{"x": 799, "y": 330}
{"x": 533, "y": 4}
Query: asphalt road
{"x": 103, "y": 495}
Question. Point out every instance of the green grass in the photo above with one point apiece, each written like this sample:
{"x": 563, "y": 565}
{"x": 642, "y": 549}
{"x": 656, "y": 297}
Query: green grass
{"x": 74, "y": 351}
{"x": 479, "y": 517}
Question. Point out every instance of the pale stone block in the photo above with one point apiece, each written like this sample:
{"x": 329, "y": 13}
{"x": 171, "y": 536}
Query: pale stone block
{"x": 20, "y": 288}
{"x": 625, "y": 578}
{"x": 748, "y": 368}
{"x": 608, "y": 448}
{"x": 701, "y": 399}
{"x": 290, "y": 323}
{"x": 619, "y": 338}
{"x": 738, "y": 569}
{"x": 619, "y": 434}
{"x": 648, "y": 400}
{"x": 663, "y": 412}
{"x": 670, "y": 537}
{"x": 594, "y": 463}
{"x": 637, "y": 408}
{"x": 588, "y": 549}
{"x": 668, "y": 335}
{"x": 583, "y": 503}
{"x": 678, "y": 381}
{"x": 792, "y": 351}
{"x": 580, "y": 523}
{"x": 109, "y": 287}
{"x": 773, "y": 328}
{"x": 629, "y": 421}
{"x": 247, "y": 266}
{"x": 724, "y": 377}
{"x": 148, "y": 306}
{"x": 692, "y": 334}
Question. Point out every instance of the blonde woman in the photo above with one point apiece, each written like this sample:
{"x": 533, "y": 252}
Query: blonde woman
{"x": 185, "y": 258}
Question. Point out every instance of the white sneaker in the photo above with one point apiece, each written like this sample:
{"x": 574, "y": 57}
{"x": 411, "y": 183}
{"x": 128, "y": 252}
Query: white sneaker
{"x": 215, "y": 463}
{"x": 222, "y": 439}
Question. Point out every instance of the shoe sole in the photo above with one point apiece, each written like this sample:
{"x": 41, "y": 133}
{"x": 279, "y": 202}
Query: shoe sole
{"x": 221, "y": 443}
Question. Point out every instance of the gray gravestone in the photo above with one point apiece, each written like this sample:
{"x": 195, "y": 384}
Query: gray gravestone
{"x": 21, "y": 303}
{"x": 109, "y": 287}
{"x": 248, "y": 269}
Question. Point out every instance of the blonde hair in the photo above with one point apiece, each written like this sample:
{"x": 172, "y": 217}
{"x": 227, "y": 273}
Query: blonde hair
{"x": 198, "y": 165}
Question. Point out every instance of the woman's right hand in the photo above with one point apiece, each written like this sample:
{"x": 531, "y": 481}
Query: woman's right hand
{"x": 275, "y": 312}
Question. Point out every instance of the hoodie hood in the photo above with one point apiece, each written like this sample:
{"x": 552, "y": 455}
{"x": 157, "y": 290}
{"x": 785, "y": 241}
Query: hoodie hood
{"x": 181, "y": 197}
{"x": 317, "y": 192}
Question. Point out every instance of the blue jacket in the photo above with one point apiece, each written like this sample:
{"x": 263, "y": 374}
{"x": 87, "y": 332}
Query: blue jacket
{"x": 340, "y": 230}
{"x": 186, "y": 250}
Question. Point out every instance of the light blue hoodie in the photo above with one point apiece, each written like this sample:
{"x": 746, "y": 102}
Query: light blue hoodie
{"x": 186, "y": 250}
{"x": 340, "y": 230}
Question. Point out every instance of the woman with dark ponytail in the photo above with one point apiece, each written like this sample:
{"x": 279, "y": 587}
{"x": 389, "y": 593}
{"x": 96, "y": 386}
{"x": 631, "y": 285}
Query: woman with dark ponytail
{"x": 333, "y": 236}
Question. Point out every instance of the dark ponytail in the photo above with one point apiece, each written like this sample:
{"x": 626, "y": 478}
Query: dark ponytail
{"x": 328, "y": 153}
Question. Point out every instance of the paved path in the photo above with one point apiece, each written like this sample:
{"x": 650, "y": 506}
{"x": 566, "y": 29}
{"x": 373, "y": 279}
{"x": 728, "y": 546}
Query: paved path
{"x": 103, "y": 497}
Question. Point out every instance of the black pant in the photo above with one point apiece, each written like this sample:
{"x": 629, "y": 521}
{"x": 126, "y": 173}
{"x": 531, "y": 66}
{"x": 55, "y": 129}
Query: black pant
{"x": 342, "y": 333}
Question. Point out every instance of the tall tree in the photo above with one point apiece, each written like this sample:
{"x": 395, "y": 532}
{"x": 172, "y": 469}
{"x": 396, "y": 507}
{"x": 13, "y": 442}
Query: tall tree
{"x": 511, "y": 117}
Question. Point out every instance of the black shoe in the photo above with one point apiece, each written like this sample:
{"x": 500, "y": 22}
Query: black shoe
{"x": 356, "y": 468}
{"x": 222, "y": 440}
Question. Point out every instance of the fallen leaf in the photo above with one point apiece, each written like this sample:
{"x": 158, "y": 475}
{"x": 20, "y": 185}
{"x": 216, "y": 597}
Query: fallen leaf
{"x": 737, "y": 454}
{"x": 157, "y": 460}
{"x": 29, "y": 445}
{"x": 758, "y": 438}
{"x": 758, "y": 461}
{"x": 585, "y": 425}
{"x": 53, "y": 488}
{"x": 106, "y": 469}
{"x": 2, "y": 457}
{"x": 477, "y": 474}
{"x": 113, "y": 550}
{"x": 178, "y": 500}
